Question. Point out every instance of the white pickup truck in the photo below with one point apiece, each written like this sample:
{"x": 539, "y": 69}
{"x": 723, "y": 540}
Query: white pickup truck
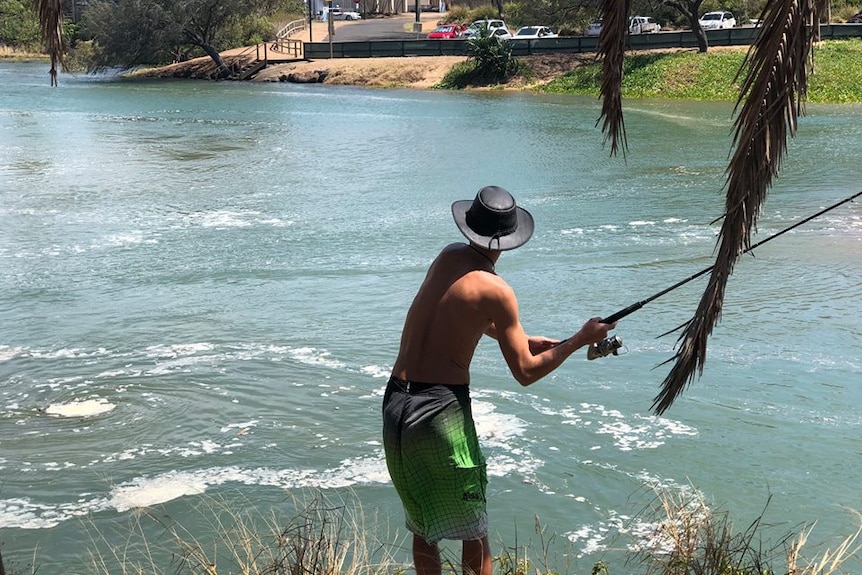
{"x": 643, "y": 25}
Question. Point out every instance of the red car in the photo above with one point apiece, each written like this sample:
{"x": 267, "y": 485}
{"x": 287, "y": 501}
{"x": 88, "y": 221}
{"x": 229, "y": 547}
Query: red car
{"x": 446, "y": 32}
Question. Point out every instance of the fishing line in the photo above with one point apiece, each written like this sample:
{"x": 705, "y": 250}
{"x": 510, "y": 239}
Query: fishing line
{"x": 603, "y": 348}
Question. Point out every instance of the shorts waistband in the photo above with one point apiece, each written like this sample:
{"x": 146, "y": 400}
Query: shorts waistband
{"x": 412, "y": 387}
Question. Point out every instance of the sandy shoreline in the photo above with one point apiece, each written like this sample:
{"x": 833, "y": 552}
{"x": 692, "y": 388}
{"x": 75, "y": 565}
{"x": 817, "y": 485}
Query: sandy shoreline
{"x": 419, "y": 72}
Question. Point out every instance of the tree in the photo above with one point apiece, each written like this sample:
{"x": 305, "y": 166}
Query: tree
{"x": 18, "y": 24}
{"x": 130, "y": 33}
{"x": 690, "y": 9}
{"x": 201, "y": 21}
{"x": 133, "y": 32}
{"x": 770, "y": 102}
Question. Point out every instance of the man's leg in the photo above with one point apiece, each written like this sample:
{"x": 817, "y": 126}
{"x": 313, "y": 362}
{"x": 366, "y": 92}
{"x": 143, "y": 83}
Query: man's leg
{"x": 476, "y": 557}
{"x": 426, "y": 557}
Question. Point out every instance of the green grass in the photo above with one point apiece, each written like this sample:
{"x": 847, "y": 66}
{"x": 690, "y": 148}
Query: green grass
{"x": 837, "y": 75}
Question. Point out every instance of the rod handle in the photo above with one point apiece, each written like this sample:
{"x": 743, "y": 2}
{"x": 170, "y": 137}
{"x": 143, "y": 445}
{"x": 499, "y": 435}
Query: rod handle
{"x": 623, "y": 312}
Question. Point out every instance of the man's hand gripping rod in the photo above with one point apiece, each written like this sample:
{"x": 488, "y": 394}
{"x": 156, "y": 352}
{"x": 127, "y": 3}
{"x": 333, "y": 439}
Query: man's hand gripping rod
{"x": 610, "y": 345}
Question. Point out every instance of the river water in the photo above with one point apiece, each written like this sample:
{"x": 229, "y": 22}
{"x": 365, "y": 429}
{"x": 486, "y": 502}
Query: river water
{"x": 203, "y": 287}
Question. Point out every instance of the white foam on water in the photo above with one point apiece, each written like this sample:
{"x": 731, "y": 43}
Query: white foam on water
{"x": 7, "y": 353}
{"x": 593, "y": 538}
{"x": 224, "y": 219}
{"x": 22, "y": 513}
{"x": 144, "y": 492}
{"x": 242, "y": 428}
{"x": 376, "y": 370}
{"x": 85, "y": 408}
{"x": 129, "y": 239}
{"x": 629, "y": 432}
{"x": 572, "y": 232}
{"x": 161, "y": 489}
{"x": 221, "y": 219}
{"x": 192, "y": 449}
{"x": 178, "y": 349}
{"x": 64, "y": 353}
{"x": 499, "y": 434}
{"x": 314, "y": 356}
{"x": 641, "y": 223}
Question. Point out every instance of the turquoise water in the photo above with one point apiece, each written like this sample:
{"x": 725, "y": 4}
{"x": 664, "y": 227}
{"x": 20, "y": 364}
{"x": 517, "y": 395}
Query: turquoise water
{"x": 204, "y": 285}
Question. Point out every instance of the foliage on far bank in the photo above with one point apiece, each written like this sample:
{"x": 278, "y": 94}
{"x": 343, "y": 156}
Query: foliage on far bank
{"x": 490, "y": 63}
{"x": 837, "y": 76}
{"x": 19, "y": 25}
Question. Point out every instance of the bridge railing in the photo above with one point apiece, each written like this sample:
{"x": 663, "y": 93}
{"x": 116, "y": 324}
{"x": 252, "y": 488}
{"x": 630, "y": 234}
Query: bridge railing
{"x": 291, "y": 28}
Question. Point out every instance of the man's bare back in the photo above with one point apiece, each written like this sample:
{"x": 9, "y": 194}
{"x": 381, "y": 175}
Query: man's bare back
{"x": 448, "y": 317}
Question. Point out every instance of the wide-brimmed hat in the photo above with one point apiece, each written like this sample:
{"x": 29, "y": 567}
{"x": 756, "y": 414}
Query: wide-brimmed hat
{"x": 492, "y": 220}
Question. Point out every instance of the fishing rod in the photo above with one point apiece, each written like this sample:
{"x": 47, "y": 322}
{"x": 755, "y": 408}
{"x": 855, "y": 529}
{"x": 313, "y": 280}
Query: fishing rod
{"x": 610, "y": 345}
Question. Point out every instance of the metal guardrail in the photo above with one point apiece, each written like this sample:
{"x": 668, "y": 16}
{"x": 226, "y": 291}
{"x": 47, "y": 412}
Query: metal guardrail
{"x": 742, "y": 36}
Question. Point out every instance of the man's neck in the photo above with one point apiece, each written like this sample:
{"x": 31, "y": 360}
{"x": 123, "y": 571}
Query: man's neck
{"x": 488, "y": 255}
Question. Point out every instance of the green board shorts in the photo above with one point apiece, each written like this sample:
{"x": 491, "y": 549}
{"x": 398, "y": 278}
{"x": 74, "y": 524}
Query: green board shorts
{"x": 434, "y": 460}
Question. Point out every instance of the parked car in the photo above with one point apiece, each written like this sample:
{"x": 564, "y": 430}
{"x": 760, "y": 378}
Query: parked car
{"x": 474, "y": 28}
{"x": 595, "y": 28}
{"x": 501, "y": 33}
{"x": 717, "y": 20}
{"x": 643, "y": 25}
{"x": 447, "y": 31}
{"x": 339, "y": 14}
{"x": 855, "y": 19}
{"x": 533, "y": 32}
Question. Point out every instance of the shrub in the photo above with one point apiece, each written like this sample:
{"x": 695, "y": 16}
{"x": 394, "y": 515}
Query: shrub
{"x": 493, "y": 57}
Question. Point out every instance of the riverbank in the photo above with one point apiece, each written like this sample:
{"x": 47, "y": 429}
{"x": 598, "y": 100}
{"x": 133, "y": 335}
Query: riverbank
{"x": 680, "y": 73}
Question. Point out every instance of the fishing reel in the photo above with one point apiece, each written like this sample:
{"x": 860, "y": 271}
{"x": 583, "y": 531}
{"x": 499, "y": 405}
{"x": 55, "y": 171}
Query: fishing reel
{"x": 608, "y": 346}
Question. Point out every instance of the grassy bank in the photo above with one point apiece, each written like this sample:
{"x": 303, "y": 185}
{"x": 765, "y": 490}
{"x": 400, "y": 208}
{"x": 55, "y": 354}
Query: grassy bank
{"x": 837, "y": 76}
{"x": 9, "y": 53}
{"x": 676, "y": 533}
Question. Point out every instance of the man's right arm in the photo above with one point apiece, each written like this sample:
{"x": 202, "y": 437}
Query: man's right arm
{"x": 526, "y": 367}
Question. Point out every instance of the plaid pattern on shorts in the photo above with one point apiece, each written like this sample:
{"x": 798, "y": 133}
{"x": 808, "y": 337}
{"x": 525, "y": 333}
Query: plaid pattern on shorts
{"x": 434, "y": 459}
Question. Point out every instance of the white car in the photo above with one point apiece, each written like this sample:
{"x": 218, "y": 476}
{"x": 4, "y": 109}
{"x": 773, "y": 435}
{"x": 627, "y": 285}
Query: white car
{"x": 717, "y": 20}
{"x": 496, "y": 27}
{"x": 339, "y": 14}
{"x": 533, "y": 33}
{"x": 643, "y": 25}
{"x": 595, "y": 28}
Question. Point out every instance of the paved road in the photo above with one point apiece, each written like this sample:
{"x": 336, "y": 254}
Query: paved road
{"x": 391, "y": 28}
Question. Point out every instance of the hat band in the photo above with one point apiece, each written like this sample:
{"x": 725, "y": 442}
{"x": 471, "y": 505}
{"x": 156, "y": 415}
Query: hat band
{"x": 492, "y": 227}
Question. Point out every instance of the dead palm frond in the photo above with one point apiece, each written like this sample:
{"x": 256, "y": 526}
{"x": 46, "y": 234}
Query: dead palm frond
{"x": 769, "y": 105}
{"x": 51, "y": 22}
{"x": 612, "y": 49}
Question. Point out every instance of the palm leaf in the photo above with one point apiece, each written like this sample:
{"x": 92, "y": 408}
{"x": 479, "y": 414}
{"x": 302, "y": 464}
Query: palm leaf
{"x": 768, "y": 107}
{"x": 51, "y": 21}
{"x": 612, "y": 51}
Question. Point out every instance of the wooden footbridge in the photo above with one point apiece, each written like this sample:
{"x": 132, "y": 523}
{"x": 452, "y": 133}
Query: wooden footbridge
{"x": 251, "y": 60}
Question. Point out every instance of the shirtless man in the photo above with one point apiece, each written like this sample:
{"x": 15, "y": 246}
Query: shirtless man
{"x": 432, "y": 451}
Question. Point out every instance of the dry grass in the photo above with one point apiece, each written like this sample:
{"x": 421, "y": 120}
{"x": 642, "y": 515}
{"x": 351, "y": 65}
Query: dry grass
{"x": 677, "y": 533}
{"x": 324, "y": 537}
{"x": 9, "y": 53}
{"x": 689, "y": 538}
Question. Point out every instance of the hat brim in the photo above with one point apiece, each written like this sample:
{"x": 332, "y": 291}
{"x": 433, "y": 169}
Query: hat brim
{"x": 519, "y": 237}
